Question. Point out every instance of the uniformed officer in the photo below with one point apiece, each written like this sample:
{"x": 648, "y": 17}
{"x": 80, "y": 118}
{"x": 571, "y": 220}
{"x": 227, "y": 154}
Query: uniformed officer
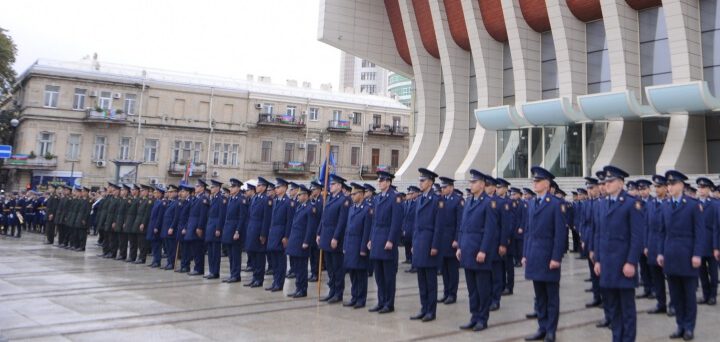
{"x": 154, "y": 227}
{"x": 643, "y": 194}
{"x": 507, "y": 224}
{"x": 356, "y": 253}
{"x": 618, "y": 252}
{"x": 450, "y": 217}
{"x": 317, "y": 202}
{"x": 292, "y": 193}
{"x": 234, "y": 229}
{"x": 543, "y": 252}
{"x": 111, "y": 237}
{"x": 409, "y": 207}
{"x": 120, "y": 248}
{"x": 260, "y": 212}
{"x": 195, "y": 231}
{"x": 330, "y": 234}
{"x": 140, "y": 225}
{"x": 82, "y": 221}
{"x": 681, "y": 251}
{"x": 169, "y": 229}
{"x": 477, "y": 242}
{"x": 278, "y": 232}
{"x": 214, "y": 229}
{"x": 427, "y": 236}
{"x": 384, "y": 237}
{"x": 302, "y": 232}
{"x": 52, "y": 202}
{"x": 520, "y": 215}
{"x": 653, "y": 239}
{"x": 708, "y": 265}
{"x": 187, "y": 195}
{"x": 497, "y": 262}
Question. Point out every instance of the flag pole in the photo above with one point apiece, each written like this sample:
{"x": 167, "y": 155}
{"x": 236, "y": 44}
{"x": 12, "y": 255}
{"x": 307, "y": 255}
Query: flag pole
{"x": 324, "y": 197}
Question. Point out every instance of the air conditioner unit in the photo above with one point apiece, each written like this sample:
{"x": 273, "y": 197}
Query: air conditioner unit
{"x": 258, "y": 106}
{"x": 116, "y": 95}
{"x": 93, "y": 93}
{"x": 216, "y": 173}
{"x": 301, "y": 146}
{"x": 154, "y": 181}
{"x": 100, "y": 163}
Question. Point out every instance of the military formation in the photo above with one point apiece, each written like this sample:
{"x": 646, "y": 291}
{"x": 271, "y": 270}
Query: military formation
{"x": 632, "y": 240}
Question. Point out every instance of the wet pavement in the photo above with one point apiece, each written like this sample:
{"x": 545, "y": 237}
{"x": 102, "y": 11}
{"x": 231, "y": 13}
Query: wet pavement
{"x": 53, "y": 294}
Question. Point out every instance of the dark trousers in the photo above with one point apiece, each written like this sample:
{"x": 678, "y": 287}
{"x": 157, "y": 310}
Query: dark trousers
{"x": 517, "y": 246}
{"x": 682, "y": 295}
{"x": 508, "y": 262}
{"x": 547, "y": 295}
{"x": 278, "y": 263}
{"x": 336, "y": 274}
{"x": 234, "y": 259}
{"x": 497, "y": 279}
{"x": 144, "y": 247}
{"x": 358, "y": 290}
{"x": 407, "y": 242}
{"x": 81, "y": 238}
{"x": 623, "y": 316}
{"x": 450, "y": 276}
{"x": 123, "y": 245}
{"x": 595, "y": 281}
{"x": 428, "y": 285}
{"x": 213, "y": 255}
{"x": 62, "y": 235}
{"x": 659, "y": 285}
{"x": 156, "y": 251}
{"x": 258, "y": 266}
{"x": 185, "y": 254}
{"x": 300, "y": 266}
{"x": 709, "y": 277}
{"x": 479, "y": 283}
{"x": 133, "y": 241}
{"x": 170, "y": 249}
{"x": 314, "y": 260}
{"x": 50, "y": 232}
{"x": 198, "y": 255}
{"x": 645, "y": 275}
{"x": 575, "y": 240}
{"x": 385, "y": 274}
{"x": 113, "y": 243}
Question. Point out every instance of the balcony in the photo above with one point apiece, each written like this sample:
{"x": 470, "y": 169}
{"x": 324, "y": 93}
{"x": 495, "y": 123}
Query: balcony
{"x": 368, "y": 171}
{"x": 105, "y": 116}
{"x": 290, "y": 168}
{"x": 179, "y": 169}
{"x": 24, "y": 162}
{"x": 338, "y": 126}
{"x": 388, "y": 130}
{"x": 278, "y": 120}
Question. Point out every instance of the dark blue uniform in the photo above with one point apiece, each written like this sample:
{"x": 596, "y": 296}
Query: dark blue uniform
{"x": 709, "y": 265}
{"x": 356, "y": 254}
{"x": 505, "y": 222}
{"x": 314, "y": 250}
{"x": 236, "y": 217}
{"x": 152, "y": 234}
{"x": 280, "y": 223}
{"x": 450, "y": 218}
{"x": 332, "y": 226}
{"x": 258, "y": 221}
{"x": 213, "y": 233}
{"x": 427, "y": 237}
{"x": 653, "y": 238}
{"x": 408, "y": 225}
{"x": 386, "y": 227}
{"x": 620, "y": 242}
{"x": 170, "y": 220}
{"x": 302, "y": 232}
{"x": 196, "y": 223}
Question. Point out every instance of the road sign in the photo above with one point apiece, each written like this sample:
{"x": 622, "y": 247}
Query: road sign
{"x": 5, "y": 151}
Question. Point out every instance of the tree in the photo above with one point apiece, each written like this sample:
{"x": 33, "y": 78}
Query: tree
{"x": 8, "y": 51}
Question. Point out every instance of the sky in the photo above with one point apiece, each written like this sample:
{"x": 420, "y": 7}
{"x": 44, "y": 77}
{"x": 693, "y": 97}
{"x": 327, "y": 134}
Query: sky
{"x": 276, "y": 38}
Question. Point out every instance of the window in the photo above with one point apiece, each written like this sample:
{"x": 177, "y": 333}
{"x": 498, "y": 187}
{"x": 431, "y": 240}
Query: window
{"x": 225, "y": 154}
{"x": 394, "y": 158}
{"x": 337, "y": 115}
{"x": 130, "y": 101}
{"x": 105, "y": 100}
{"x": 396, "y": 122}
{"x": 548, "y": 67}
{"x": 289, "y": 152}
{"x": 598, "y": 61}
{"x": 335, "y": 153}
{"x": 710, "y": 27}
{"x": 311, "y": 152}
{"x": 124, "y": 148}
{"x": 216, "y": 153}
{"x": 367, "y": 76}
{"x": 99, "y": 149}
{"x": 234, "y": 151}
{"x": 508, "y": 76}
{"x": 79, "y": 99}
{"x": 151, "y": 148}
{"x": 267, "y": 108}
{"x": 356, "y": 118}
{"x": 368, "y": 88}
{"x": 52, "y": 93}
{"x": 266, "y": 153}
{"x": 377, "y": 121}
{"x": 355, "y": 156}
{"x": 290, "y": 110}
{"x": 655, "y": 68}
{"x": 367, "y": 64}
{"x": 313, "y": 113}
{"x": 186, "y": 151}
{"x": 73, "y": 150}
{"x": 45, "y": 142}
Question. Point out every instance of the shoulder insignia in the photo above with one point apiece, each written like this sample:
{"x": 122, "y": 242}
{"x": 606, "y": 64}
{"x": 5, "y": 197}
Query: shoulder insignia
{"x": 371, "y": 211}
{"x": 547, "y": 199}
{"x": 292, "y": 204}
{"x": 441, "y": 204}
{"x": 462, "y": 203}
{"x": 684, "y": 200}
{"x": 270, "y": 203}
{"x": 562, "y": 208}
{"x": 638, "y": 205}
{"x": 398, "y": 199}
{"x": 621, "y": 198}
{"x": 701, "y": 207}
{"x": 347, "y": 203}
{"x": 493, "y": 204}
{"x": 507, "y": 206}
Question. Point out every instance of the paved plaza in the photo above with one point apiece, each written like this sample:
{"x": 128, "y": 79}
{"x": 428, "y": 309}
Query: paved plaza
{"x": 52, "y": 294}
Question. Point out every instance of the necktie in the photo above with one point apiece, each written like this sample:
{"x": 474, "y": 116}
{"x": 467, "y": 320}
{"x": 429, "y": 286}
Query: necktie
{"x": 537, "y": 201}
{"x": 675, "y": 204}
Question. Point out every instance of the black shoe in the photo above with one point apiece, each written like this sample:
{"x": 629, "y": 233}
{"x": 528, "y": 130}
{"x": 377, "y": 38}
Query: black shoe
{"x": 153, "y": 265}
{"x": 468, "y": 326}
{"x": 711, "y": 301}
{"x": 506, "y": 292}
{"x": 538, "y": 336}
{"x": 290, "y": 275}
{"x": 254, "y": 285}
{"x": 595, "y": 303}
{"x": 587, "y": 280}
{"x": 428, "y": 318}
{"x": 269, "y": 288}
{"x": 334, "y": 300}
{"x": 130, "y": 261}
{"x": 702, "y": 301}
{"x": 688, "y": 335}
{"x": 213, "y": 276}
{"x": 480, "y": 327}
{"x": 375, "y": 308}
{"x": 247, "y": 269}
{"x": 494, "y": 307}
{"x": 603, "y": 324}
{"x": 233, "y": 280}
{"x": 417, "y": 316}
{"x": 442, "y": 300}
{"x": 550, "y": 338}
{"x": 411, "y": 270}
{"x": 450, "y": 300}
{"x": 350, "y": 303}
{"x": 291, "y": 294}
{"x": 531, "y": 315}
{"x": 300, "y": 295}
{"x": 120, "y": 258}
{"x": 248, "y": 284}
{"x": 657, "y": 310}
{"x": 359, "y": 306}
{"x": 589, "y": 290}
{"x": 676, "y": 335}
{"x": 313, "y": 279}
{"x": 168, "y": 267}
{"x": 194, "y": 273}
{"x": 269, "y": 272}
{"x": 671, "y": 311}
{"x": 326, "y": 298}
{"x": 386, "y": 310}
{"x": 140, "y": 262}
{"x": 225, "y": 280}
{"x": 277, "y": 289}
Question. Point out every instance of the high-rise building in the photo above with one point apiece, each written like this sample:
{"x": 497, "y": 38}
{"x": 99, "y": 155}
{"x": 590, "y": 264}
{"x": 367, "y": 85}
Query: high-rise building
{"x": 361, "y": 76}
{"x": 400, "y": 87}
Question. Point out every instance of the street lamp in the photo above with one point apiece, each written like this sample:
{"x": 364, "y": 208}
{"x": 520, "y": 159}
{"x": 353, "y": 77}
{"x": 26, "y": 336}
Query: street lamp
{"x": 14, "y": 122}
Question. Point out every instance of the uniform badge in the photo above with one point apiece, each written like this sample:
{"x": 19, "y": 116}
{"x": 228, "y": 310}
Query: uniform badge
{"x": 684, "y": 200}
{"x": 371, "y": 211}
{"x": 638, "y": 205}
{"x": 149, "y": 202}
{"x": 562, "y": 208}
{"x": 507, "y": 206}
{"x": 292, "y": 204}
{"x": 224, "y": 201}
{"x": 244, "y": 201}
{"x": 270, "y": 203}
{"x": 701, "y": 207}
{"x": 462, "y": 203}
{"x": 441, "y": 204}
{"x": 314, "y": 210}
{"x": 493, "y": 204}
{"x": 347, "y": 203}
{"x": 547, "y": 199}
{"x": 129, "y": 201}
{"x": 621, "y": 198}
{"x": 514, "y": 204}
{"x": 204, "y": 201}
{"x": 398, "y": 199}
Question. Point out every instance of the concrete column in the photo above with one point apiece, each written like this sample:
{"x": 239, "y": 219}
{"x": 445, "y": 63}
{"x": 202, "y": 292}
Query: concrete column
{"x": 570, "y": 49}
{"x": 622, "y": 146}
{"x": 525, "y": 50}
{"x": 426, "y": 71}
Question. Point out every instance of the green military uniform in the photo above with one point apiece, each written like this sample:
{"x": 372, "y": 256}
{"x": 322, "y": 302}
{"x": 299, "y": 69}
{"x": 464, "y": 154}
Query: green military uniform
{"x": 82, "y": 220}
{"x": 120, "y": 217}
{"x": 50, "y": 212}
{"x": 110, "y": 243}
{"x": 142, "y": 218}
{"x": 60, "y": 213}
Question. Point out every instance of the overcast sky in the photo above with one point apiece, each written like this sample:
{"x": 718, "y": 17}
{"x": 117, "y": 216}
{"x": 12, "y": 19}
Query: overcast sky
{"x": 276, "y": 38}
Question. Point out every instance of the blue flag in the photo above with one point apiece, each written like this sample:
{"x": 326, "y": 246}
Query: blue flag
{"x": 324, "y": 169}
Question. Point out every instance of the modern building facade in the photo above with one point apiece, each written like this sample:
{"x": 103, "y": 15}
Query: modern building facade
{"x": 400, "y": 87}
{"x": 361, "y": 76}
{"x": 89, "y": 122}
{"x": 573, "y": 85}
